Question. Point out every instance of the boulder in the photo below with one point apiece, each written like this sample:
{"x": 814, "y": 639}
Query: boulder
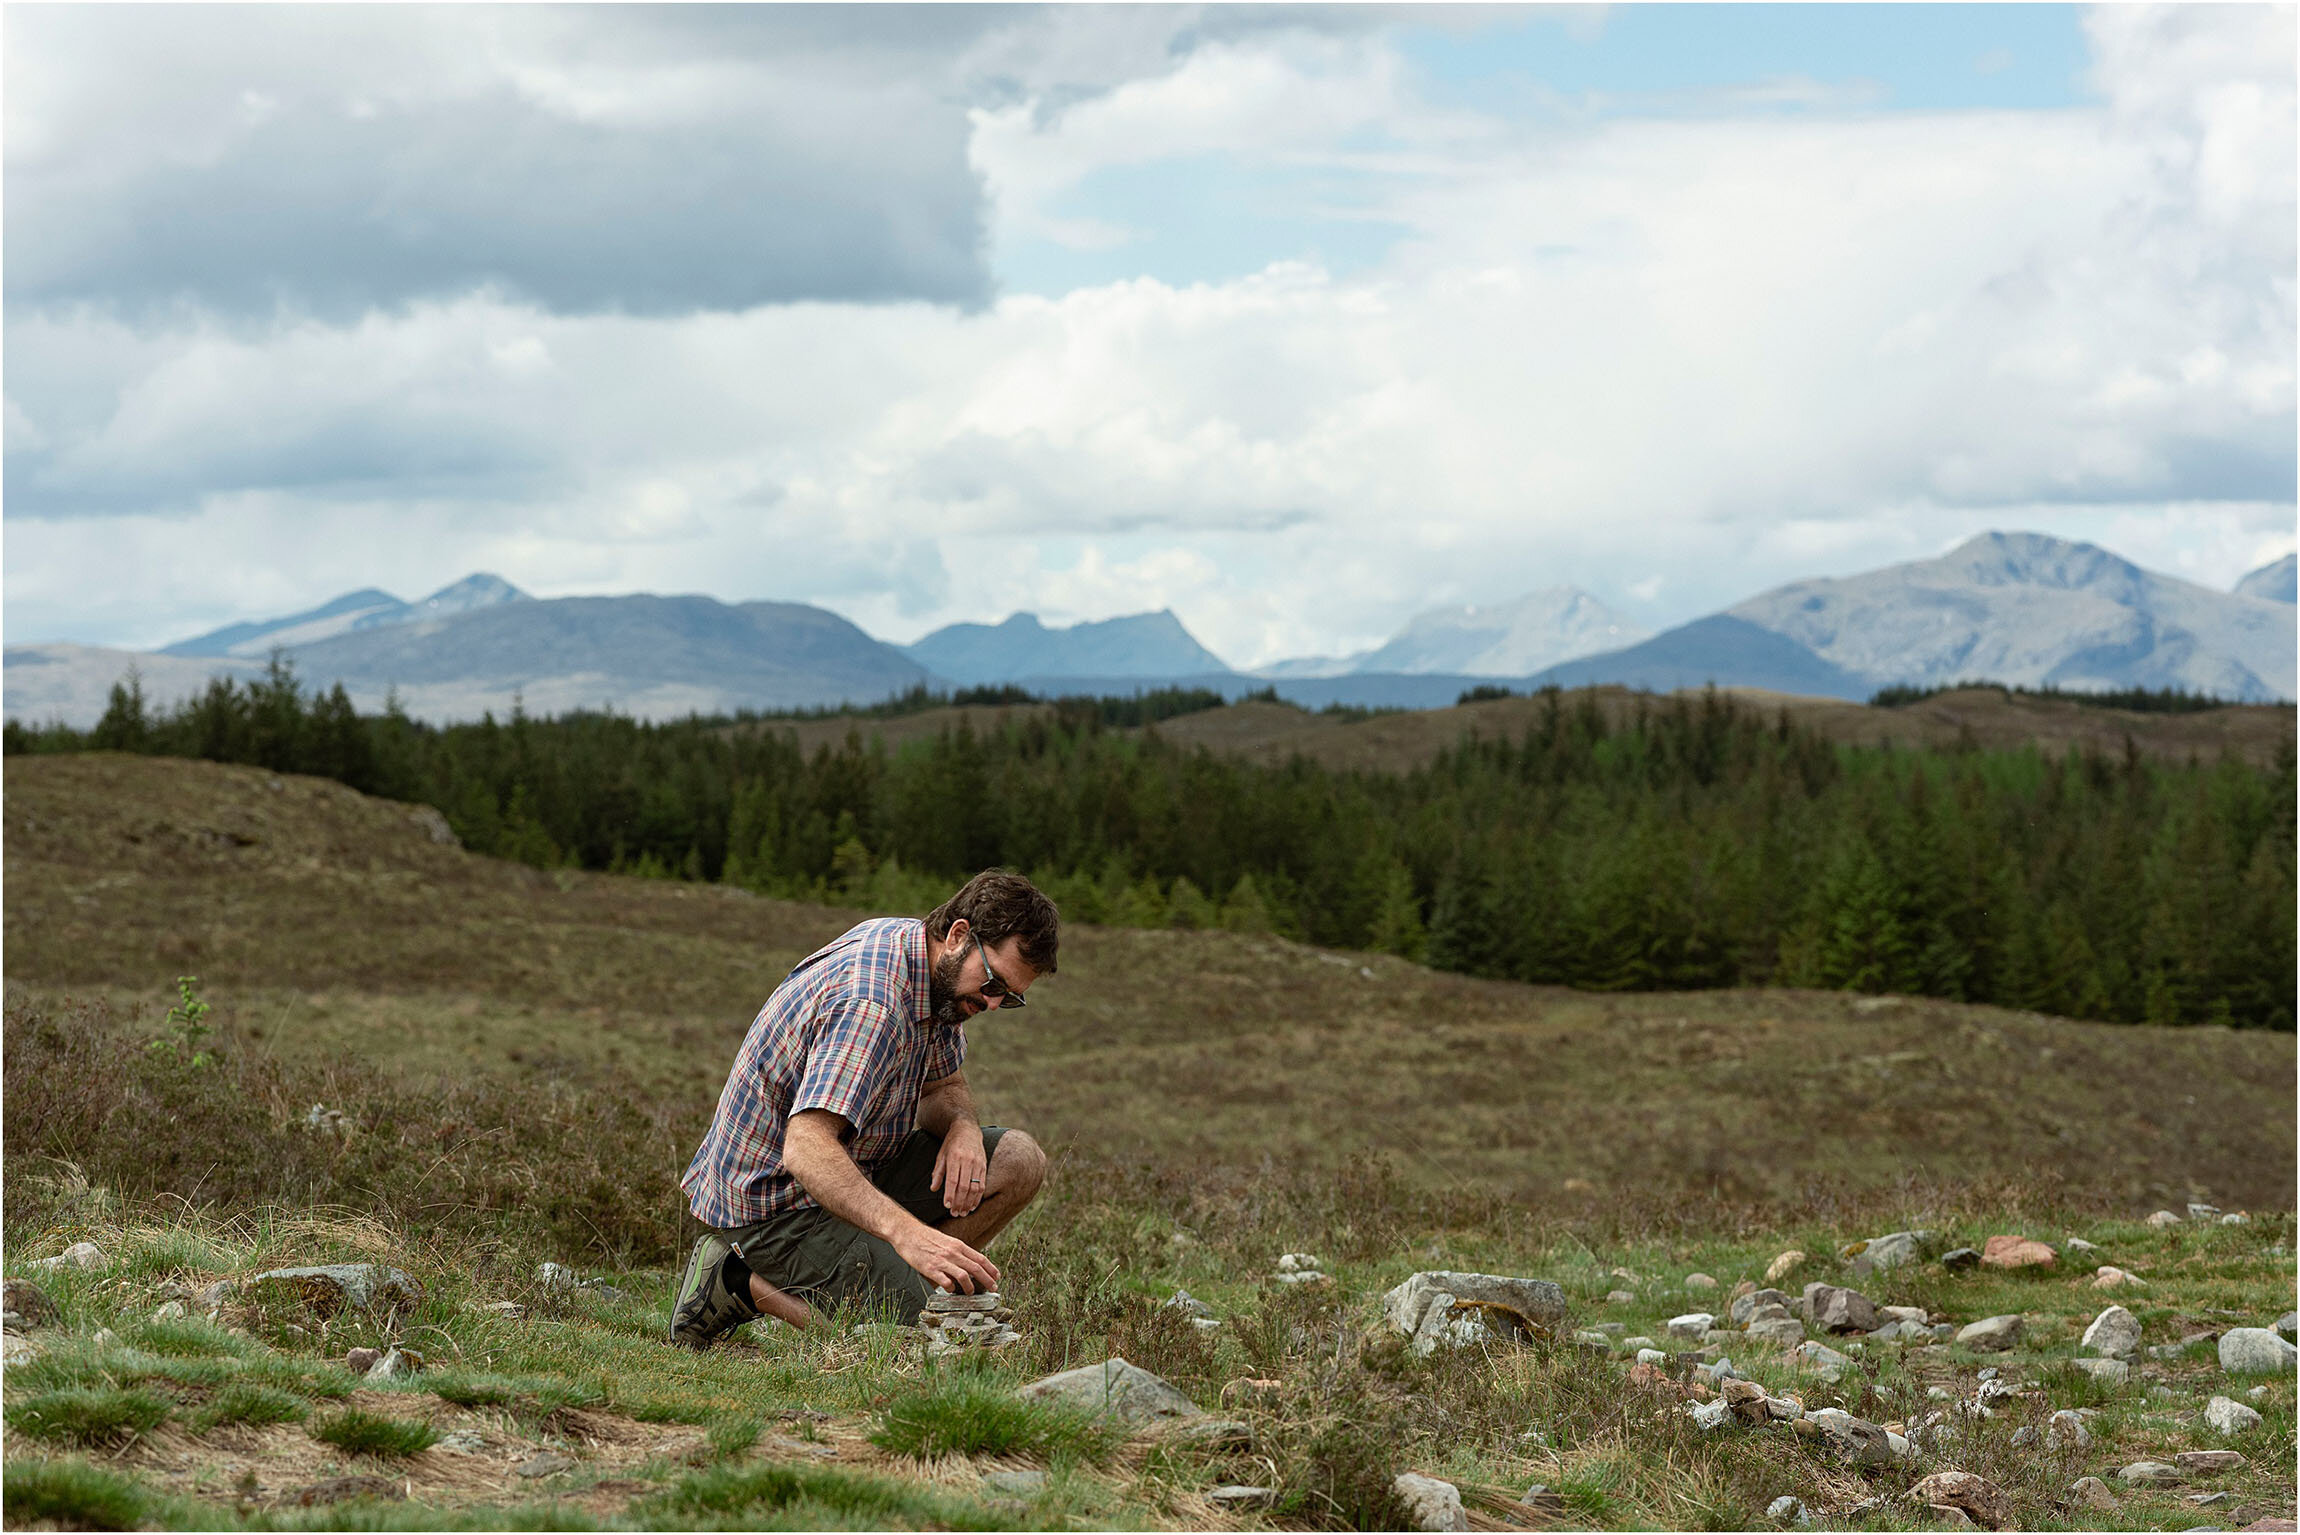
{"x": 1992, "y": 1334}
{"x": 335, "y": 1287}
{"x": 1125, "y": 1391}
{"x": 1429, "y": 1504}
{"x": 1744, "y": 1309}
{"x": 1447, "y": 1323}
{"x": 2115, "y": 1334}
{"x": 1507, "y": 1306}
{"x": 1833, "y": 1308}
{"x": 1880, "y": 1253}
{"x": 1783, "y": 1265}
{"x": 28, "y": 1306}
{"x": 1691, "y": 1325}
{"x": 2092, "y": 1492}
{"x": 1982, "y": 1500}
{"x": 2207, "y": 1462}
{"x": 2150, "y": 1473}
{"x": 1958, "y": 1259}
{"x": 2229, "y": 1417}
{"x": 2256, "y": 1351}
{"x": 1856, "y": 1439}
{"x": 2010, "y": 1252}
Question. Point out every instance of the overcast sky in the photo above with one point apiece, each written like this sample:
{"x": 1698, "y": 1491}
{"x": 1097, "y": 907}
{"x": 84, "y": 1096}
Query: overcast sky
{"x": 1295, "y": 321}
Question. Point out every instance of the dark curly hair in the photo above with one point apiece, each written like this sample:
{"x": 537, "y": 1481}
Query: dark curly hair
{"x": 998, "y": 906}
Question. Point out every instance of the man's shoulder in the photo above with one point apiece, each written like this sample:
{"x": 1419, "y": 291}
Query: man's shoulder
{"x": 870, "y": 963}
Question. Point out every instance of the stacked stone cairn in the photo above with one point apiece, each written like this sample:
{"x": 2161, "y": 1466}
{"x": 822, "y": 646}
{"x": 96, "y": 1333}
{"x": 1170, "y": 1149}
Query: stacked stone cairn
{"x": 954, "y": 1322}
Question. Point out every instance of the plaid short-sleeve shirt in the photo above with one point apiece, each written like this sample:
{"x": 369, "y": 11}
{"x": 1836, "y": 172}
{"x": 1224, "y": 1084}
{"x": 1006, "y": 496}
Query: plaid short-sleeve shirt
{"x": 849, "y": 1031}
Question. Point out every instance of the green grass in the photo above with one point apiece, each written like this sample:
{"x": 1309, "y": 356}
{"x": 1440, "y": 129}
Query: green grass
{"x": 249, "y": 1404}
{"x": 72, "y": 1495}
{"x": 805, "y": 1497}
{"x": 94, "y": 1416}
{"x": 967, "y": 1414}
{"x": 358, "y": 1432}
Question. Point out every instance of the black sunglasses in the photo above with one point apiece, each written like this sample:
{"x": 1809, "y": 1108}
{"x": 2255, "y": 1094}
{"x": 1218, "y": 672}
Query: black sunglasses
{"x": 992, "y": 986}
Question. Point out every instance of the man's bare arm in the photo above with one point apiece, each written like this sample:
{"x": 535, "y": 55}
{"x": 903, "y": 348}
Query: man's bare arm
{"x": 816, "y": 1157}
{"x": 961, "y": 1165}
{"x": 944, "y": 1101}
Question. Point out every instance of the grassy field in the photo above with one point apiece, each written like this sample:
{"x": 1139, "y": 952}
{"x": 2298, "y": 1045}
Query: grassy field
{"x": 524, "y": 1061}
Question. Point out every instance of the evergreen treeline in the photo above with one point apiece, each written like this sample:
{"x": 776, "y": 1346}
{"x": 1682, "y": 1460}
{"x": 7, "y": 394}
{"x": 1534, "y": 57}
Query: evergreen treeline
{"x": 2138, "y": 700}
{"x": 1700, "y": 844}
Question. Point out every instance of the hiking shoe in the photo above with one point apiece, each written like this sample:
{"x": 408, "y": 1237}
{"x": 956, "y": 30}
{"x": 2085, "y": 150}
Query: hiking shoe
{"x": 708, "y": 1308}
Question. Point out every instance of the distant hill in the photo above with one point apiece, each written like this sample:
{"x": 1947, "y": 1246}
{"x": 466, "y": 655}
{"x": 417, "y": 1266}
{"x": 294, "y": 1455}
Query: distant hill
{"x": 2030, "y": 609}
{"x": 1139, "y": 645}
{"x": 2273, "y": 582}
{"x": 366, "y": 608}
{"x": 1727, "y": 651}
{"x": 1513, "y": 639}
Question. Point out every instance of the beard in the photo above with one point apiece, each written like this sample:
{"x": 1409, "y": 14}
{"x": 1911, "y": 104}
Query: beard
{"x": 944, "y": 1004}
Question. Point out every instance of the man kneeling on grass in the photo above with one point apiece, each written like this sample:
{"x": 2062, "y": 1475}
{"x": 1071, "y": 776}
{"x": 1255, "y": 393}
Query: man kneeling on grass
{"x": 846, "y": 1167}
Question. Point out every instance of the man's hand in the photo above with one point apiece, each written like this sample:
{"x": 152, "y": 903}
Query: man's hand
{"x": 945, "y": 1260}
{"x": 960, "y": 1168}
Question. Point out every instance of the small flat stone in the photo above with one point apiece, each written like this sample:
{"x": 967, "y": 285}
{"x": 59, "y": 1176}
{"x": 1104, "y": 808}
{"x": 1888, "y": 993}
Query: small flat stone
{"x": 2160, "y": 1220}
{"x": 2079, "y": 1247}
{"x": 2114, "y": 1371}
{"x": 1691, "y": 1325}
{"x": 2150, "y": 1473}
{"x": 2092, "y": 1492}
{"x": 2109, "y": 1277}
{"x": 1700, "y": 1282}
{"x": 2207, "y": 1462}
{"x": 1789, "y": 1511}
{"x": 544, "y": 1463}
{"x": 1992, "y": 1334}
{"x": 1619, "y": 1297}
{"x": 1237, "y": 1495}
{"x": 2015, "y": 1252}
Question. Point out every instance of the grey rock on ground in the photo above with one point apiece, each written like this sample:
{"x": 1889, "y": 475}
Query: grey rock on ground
{"x": 1744, "y": 1309}
{"x": 462, "y": 1441}
{"x": 16, "y": 1350}
{"x": 30, "y": 1305}
{"x": 2207, "y": 1462}
{"x": 1833, "y": 1308}
{"x": 80, "y": 1255}
{"x": 1789, "y": 1511}
{"x": 1993, "y": 1333}
{"x": 1885, "y": 1252}
{"x": 1822, "y": 1359}
{"x": 1700, "y": 1282}
{"x": 2079, "y": 1247}
{"x": 333, "y": 1287}
{"x": 2223, "y": 1415}
{"x": 544, "y": 1463}
{"x": 1856, "y": 1439}
{"x": 1532, "y": 1303}
{"x": 1429, "y": 1503}
{"x": 1015, "y": 1484}
{"x": 2150, "y": 1473}
{"x": 2256, "y": 1351}
{"x": 1124, "y": 1390}
{"x": 2066, "y": 1430}
{"x": 1982, "y": 1500}
{"x": 1299, "y": 1263}
{"x": 1781, "y": 1331}
{"x": 2092, "y": 1492}
{"x": 2114, "y": 1371}
{"x": 1714, "y": 1413}
{"x": 2114, "y": 1334}
{"x": 2160, "y": 1220}
{"x": 2288, "y": 1326}
{"x": 1619, "y": 1297}
{"x": 397, "y": 1364}
{"x": 1186, "y": 1303}
{"x": 1237, "y": 1495}
{"x": 1691, "y": 1325}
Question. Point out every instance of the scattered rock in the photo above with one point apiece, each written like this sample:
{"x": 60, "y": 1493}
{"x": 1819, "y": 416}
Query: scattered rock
{"x": 1822, "y": 1360}
{"x": 2207, "y": 1499}
{"x": 1981, "y": 1500}
{"x": 462, "y": 1441}
{"x": 1691, "y": 1325}
{"x": 1782, "y": 1267}
{"x": 2114, "y": 1334}
{"x": 1880, "y": 1253}
{"x": 1699, "y": 1282}
{"x": 80, "y": 1255}
{"x": 1502, "y": 1306}
{"x": 2092, "y": 1492}
{"x": 1789, "y": 1511}
{"x": 1992, "y": 1334}
{"x": 1857, "y": 1439}
{"x": 2288, "y": 1326}
{"x": 1238, "y": 1496}
{"x": 2207, "y": 1462}
{"x": 104, "y": 1337}
{"x": 2113, "y": 1371}
{"x": 331, "y": 1288}
{"x": 361, "y": 1360}
{"x": 544, "y": 1463}
{"x": 556, "y": 1278}
{"x": 1126, "y": 1391}
{"x": 1783, "y": 1331}
{"x": 168, "y": 1311}
{"x": 1299, "y": 1263}
{"x": 953, "y": 1322}
{"x": 1212, "y": 1433}
{"x": 2229, "y": 1417}
{"x": 1186, "y": 1303}
{"x": 2078, "y": 1247}
{"x": 1833, "y": 1308}
{"x": 1619, "y": 1297}
{"x": 2010, "y": 1252}
{"x": 2161, "y": 1219}
{"x": 1715, "y": 1413}
{"x": 2202, "y": 1212}
{"x": 1015, "y": 1484}
{"x": 1746, "y": 1306}
{"x": 2109, "y": 1277}
{"x": 2256, "y": 1351}
{"x": 2065, "y": 1430}
{"x": 1902, "y": 1332}
{"x": 2150, "y": 1473}
{"x": 1957, "y": 1260}
{"x": 1429, "y": 1503}
{"x": 396, "y": 1364}
{"x": 16, "y": 1350}
{"x": 28, "y": 1305}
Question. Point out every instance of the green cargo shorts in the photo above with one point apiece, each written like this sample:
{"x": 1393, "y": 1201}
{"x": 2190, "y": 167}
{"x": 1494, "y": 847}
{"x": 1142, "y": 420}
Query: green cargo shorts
{"x": 832, "y": 1266}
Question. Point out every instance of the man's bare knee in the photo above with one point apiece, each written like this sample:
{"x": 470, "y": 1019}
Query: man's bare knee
{"x": 1018, "y": 1166}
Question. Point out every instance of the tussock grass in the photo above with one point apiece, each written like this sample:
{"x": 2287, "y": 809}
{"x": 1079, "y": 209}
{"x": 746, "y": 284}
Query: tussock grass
{"x": 806, "y": 1497}
{"x": 965, "y": 1413}
{"x": 358, "y": 1432}
{"x": 94, "y": 1416}
{"x": 250, "y": 1404}
{"x": 70, "y": 1494}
